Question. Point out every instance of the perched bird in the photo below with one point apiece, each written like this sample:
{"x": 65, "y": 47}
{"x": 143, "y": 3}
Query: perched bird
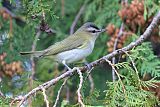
{"x": 74, "y": 48}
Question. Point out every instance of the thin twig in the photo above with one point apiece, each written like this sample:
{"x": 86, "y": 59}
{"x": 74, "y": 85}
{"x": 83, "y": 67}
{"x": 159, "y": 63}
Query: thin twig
{"x": 46, "y": 85}
{"x": 62, "y": 8}
{"x": 89, "y": 77}
{"x": 67, "y": 89}
{"x": 79, "y": 88}
{"x": 45, "y": 96}
{"x": 77, "y": 18}
{"x": 134, "y": 66}
{"x": 116, "y": 42}
{"x": 123, "y": 87}
{"x": 2, "y": 95}
{"x": 33, "y": 63}
{"x": 67, "y": 93}
{"x": 97, "y": 62}
{"x": 91, "y": 83}
{"x": 113, "y": 67}
{"x": 88, "y": 73}
{"x": 43, "y": 15}
{"x": 115, "y": 47}
{"x": 59, "y": 91}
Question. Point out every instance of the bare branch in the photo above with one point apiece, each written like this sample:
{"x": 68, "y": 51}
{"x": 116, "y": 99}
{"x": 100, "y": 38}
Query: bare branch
{"x": 59, "y": 91}
{"x": 79, "y": 88}
{"x": 114, "y": 48}
{"x": 89, "y": 72}
{"x": 91, "y": 83}
{"x": 46, "y": 85}
{"x": 45, "y": 96}
{"x": 2, "y": 95}
{"x": 113, "y": 67}
{"x": 89, "y": 77}
{"x": 33, "y": 63}
{"x": 140, "y": 40}
{"x": 77, "y": 18}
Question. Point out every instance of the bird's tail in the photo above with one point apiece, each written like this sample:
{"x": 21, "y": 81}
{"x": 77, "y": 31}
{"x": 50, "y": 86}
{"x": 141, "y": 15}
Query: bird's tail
{"x": 34, "y": 53}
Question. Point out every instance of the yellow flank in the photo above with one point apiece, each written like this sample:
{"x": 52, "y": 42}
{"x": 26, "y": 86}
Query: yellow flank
{"x": 83, "y": 46}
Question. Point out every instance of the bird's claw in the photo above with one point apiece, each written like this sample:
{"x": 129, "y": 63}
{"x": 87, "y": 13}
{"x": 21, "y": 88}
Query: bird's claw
{"x": 88, "y": 66}
{"x": 69, "y": 69}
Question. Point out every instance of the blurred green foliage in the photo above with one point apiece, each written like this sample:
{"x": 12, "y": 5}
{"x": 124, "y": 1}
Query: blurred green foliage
{"x": 59, "y": 15}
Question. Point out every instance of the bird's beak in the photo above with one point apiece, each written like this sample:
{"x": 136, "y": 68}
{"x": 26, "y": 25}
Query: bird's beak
{"x": 103, "y": 30}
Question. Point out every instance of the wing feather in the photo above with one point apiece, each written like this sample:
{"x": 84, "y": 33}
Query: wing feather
{"x": 69, "y": 43}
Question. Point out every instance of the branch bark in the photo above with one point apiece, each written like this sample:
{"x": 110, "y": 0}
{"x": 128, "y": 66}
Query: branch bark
{"x": 114, "y": 48}
{"x": 76, "y": 19}
{"x": 59, "y": 92}
{"x": 33, "y": 64}
{"x": 45, "y": 97}
{"x": 79, "y": 88}
{"x": 141, "y": 39}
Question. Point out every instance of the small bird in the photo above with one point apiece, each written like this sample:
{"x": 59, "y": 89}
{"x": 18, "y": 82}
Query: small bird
{"x": 74, "y": 48}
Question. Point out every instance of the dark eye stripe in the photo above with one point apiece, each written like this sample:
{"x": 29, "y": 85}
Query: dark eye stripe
{"x": 93, "y": 31}
{"x": 93, "y": 26}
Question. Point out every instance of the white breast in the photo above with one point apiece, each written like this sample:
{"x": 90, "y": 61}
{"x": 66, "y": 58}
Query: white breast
{"x": 75, "y": 54}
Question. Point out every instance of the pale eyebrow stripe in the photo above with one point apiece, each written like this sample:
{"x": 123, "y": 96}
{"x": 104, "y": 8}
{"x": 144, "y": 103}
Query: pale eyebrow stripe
{"x": 93, "y": 26}
{"x": 90, "y": 29}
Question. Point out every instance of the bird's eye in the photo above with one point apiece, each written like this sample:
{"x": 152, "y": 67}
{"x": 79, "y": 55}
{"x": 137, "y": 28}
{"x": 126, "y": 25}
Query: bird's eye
{"x": 93, "y": 31}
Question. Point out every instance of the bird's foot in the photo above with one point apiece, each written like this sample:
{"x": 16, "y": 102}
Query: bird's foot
{"x": 88, "y": 66}
{"x": 69, "y": 69}
{"x": 64, "y": 63}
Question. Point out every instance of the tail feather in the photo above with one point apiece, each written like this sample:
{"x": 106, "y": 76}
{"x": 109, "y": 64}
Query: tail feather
{"x": 34, "y": 53}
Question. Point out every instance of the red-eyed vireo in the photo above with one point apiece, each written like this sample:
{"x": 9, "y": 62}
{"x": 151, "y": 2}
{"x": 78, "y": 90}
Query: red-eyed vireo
{"x": 74, "y": 48}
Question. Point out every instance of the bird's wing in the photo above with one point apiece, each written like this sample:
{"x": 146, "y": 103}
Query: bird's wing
{"x": 69, "y": 43}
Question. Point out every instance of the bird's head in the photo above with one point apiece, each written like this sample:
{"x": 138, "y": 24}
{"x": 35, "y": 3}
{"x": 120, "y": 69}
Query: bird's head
{"x": 90, "y": 28}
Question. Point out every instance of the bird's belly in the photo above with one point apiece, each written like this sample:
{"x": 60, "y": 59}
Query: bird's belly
{"x": 73, "y": 55}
